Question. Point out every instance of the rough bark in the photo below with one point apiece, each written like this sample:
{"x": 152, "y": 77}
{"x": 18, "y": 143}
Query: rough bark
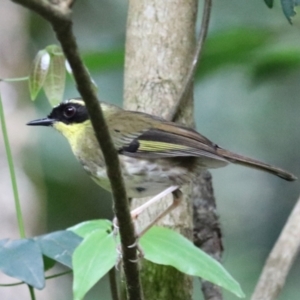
{"x": 207, "y": 232}
{"x": 159, "y": 46}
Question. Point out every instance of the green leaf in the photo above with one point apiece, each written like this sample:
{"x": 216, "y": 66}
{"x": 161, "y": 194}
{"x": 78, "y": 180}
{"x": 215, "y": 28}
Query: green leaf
{"x": 92, "y": 259}
{"x": 38, "y": 73}
{"x": 3, "y": 242}
{"x": 54, "y": 84}
{"x": 22, "y": 259}
{"x": 59, "y": 246}
{"x": 166, "y": 247}
{"x": 54, "y": 50}
{"x": 85, "y": 228}
{"x": 288, "y": 8}
{"x": 269, "y": 3}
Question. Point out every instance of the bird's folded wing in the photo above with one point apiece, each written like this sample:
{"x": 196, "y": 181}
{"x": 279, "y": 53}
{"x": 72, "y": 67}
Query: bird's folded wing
{"x": 175, "y": 142}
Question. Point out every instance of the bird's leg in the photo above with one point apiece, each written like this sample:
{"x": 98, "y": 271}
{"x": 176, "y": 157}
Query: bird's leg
{"x": 137, "y": 211}
{"x": 177, "y": 197}
{"x": 115, "y": 226}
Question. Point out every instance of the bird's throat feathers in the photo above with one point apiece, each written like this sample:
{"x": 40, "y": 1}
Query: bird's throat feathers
{"x": 73, "y": 132}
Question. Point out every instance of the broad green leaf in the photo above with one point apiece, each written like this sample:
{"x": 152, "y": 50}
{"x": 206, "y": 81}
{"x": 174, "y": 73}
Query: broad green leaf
{"x": 38, "y": 72}
{"x": 269, "y": 3}
{"x": 22, "y": 259}
{"x": 54, "y": 84}
{"x": 85, "y": 228}
{"x": 166, "y": 247}
{"x": 3, "y": 242}
{"x": 288, "y": 8}
{"x": 59, "y": 246}
{"x": 92, "y": 259}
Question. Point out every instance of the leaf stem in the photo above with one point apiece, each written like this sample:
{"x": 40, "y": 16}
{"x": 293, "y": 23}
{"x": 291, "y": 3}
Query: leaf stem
{"x": 31, "y": 290}
{"x": 47, "y": 277}
{"x": 113, "y": 284}
{"x": 14, "y": 79}
{"x": 13, "y": 182}
{"x": 12, "y": 172}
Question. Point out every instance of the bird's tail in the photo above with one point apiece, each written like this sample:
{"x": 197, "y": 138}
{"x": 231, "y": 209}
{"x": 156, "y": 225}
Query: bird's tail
{"x": 252, "y": 163}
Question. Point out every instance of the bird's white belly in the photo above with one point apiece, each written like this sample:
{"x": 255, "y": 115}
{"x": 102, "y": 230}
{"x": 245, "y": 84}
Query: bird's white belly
{"x": 143, "y": 178}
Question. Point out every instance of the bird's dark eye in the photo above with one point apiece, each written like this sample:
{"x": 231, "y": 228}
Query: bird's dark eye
{"x": 69, "y": 111}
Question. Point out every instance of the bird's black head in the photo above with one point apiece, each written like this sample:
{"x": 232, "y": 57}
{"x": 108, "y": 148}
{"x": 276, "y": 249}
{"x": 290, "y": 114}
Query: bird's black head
{"x": 68, "y": 112}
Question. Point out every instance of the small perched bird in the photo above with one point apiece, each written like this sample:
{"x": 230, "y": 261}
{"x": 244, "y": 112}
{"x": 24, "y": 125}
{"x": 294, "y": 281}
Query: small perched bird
{"x": 154, "y": 154}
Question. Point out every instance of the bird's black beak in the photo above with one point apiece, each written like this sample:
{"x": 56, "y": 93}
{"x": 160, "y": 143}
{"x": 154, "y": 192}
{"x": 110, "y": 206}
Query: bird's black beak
{"x": 41, "y": 122}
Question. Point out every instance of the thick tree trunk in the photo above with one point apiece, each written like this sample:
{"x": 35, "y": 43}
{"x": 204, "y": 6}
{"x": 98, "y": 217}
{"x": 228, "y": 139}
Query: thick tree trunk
{"x": 159, "y": 47}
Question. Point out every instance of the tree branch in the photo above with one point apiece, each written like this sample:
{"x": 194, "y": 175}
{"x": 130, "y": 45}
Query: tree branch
{"x": 59, "y": 15}
{"x": 280, "y": 260}
{"x": 195, "y": 62}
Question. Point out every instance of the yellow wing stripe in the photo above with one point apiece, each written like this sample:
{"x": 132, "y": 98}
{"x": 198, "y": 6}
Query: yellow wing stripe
{"x": 159, "y": 146}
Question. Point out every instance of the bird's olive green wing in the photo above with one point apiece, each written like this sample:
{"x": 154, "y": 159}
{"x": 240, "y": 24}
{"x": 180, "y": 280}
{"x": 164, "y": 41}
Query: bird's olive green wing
{"x": 170, "y": 140}
{"x": 141, "y": 135}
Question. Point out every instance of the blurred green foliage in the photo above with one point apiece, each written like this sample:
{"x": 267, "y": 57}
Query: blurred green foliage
{"x": 278, "y": 63}
{"x": 235, "y": 46}
{"x": 104, "y": 61}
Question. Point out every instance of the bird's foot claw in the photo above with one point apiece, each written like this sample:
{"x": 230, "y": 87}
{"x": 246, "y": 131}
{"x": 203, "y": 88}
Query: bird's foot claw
{"x": 135, "y": 244}
{"x": 115, "y": 226}
{"x": 119, "y": 258}
{"x": 140, "y": 251}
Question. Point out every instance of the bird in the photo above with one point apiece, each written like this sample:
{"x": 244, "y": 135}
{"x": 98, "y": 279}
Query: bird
{"x": 156, "y": 156}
